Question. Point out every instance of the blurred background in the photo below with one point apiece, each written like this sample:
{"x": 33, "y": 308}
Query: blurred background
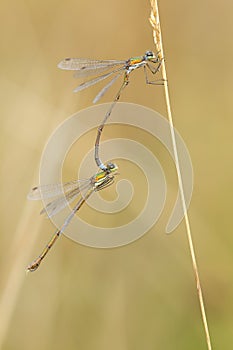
{"x": 141, "y": 296}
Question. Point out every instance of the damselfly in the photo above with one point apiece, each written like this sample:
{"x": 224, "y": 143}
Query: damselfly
{"x": 88, "y": 67}
{"x": 65, "y": 194}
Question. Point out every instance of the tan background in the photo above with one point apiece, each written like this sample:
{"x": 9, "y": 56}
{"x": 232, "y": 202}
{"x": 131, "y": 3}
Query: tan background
{"x": 141, "y": 296}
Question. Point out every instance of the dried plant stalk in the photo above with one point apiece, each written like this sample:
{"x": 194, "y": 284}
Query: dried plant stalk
{"x": 155, "y": 23}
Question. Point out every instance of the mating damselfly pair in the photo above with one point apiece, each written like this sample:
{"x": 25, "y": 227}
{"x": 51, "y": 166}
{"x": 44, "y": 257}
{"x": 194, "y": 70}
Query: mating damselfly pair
{"x": 81, "y": 190}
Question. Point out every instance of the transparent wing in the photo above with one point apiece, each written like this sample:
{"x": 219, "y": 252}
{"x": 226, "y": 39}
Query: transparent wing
{"x": 96, "y": 80}
{"x": 82, "y": 64}
{"x": 53, "y": 190}
{"x": 81, "y": 201}
{"x": 106, "y": 87}
{"x": 86, "y": 73}
{"x": 62, "y": 201}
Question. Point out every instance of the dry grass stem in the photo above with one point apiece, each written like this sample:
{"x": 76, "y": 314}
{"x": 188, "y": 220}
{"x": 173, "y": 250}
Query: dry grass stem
{"x": 154, "y": 20}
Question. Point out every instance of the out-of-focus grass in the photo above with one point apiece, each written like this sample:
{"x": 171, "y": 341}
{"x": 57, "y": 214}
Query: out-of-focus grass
{"x": 142, "y": 295}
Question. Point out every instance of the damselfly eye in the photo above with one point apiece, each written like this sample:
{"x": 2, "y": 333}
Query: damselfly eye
{"x": 149, "y": 54}
{"x": 112, "y": 166}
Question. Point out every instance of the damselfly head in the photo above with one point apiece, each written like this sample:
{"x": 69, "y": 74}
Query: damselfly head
{"x": 111, "y": 167}
{"x": 150, "y": 56}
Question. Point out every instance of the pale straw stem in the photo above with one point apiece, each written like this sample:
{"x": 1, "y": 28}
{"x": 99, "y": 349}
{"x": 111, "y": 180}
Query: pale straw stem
{"x": 154, "y": 20}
